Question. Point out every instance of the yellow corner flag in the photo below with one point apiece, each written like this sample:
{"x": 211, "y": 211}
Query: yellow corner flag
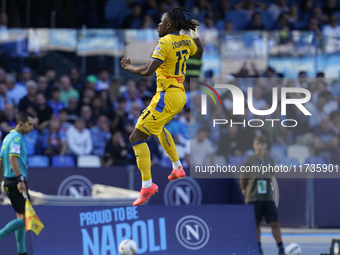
{"x": 32, "y": 221}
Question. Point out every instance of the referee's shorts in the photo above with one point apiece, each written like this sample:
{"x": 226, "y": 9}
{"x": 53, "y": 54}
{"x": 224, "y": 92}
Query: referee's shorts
{"x": 17, "y": 200}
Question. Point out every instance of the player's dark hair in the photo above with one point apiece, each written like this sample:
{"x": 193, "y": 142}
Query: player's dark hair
{"x": 23, "y": 116}
{"x": 262, "y": 139}
{"x": 177, "y": 17}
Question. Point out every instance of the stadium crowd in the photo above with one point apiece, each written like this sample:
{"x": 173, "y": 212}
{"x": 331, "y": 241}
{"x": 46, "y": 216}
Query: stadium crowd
{"x": 225, "y": 15}
{"x": 96, "y": 115}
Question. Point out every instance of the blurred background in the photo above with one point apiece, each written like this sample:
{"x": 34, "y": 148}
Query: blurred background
{"x": 60, "y": 60}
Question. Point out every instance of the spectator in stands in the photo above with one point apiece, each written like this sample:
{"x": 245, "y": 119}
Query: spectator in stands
{"x": 86, "y": 114}
{"x": 116, "y": 151}
{"x": 313, "y": 25}
{"x": 223, "y": 8}
{"x": 103, "y": 81}
{"x": 332, "y": 28}
{"x": 2, "y": 75}
{"x": 228, "y": 28}
{"x": 330, "y": 104}
{"x": 101, "y": 134}
{"x": 115, "y": 90}
{"x": 130, "y": 120}
{"x": 79, "y": 140}
{"x": 293, "y": 14}
{"x": 330, "y": 7}
{"x": 32, "y": 138}
{"x": 209, "y": 34}
{"x": 97, "y": 107}
{"x": 119, "y": 115}
{"x": 135, "y": 19}
{"x": 319, "y": 15}
{"x": 255, "y": 23}
{"x": 317, "y": 111}
{"x": 64, "y": 122}
{"x": 55, "y": 103}
{"x": 325, "y": 140}
{"x": 88, "y": 96}
{"x": 67, "y": 91}
{"x": 4, "y": 98}
{"x": 73, "y": 109}
{"x": 53, "y": 140}
{"x": 44, "y": 112}
{"x": 199, "y": 149}
{"x": 250, "y": 7}
{"x": 335, "y": 121}
{"x": 7, "y": 119}
{"x": 284, "y": 26}
{"x": 302, "y": 81}
{"x": 50, "y": 74}
{"x": 142, "y": 88}
{"x": 25, "y": 76}
{"x": 131, "y": 95}
{"x": 305, "y": 10}
{"x": 75, "y": 78}
{"x": 148, "y": 23}
{"x": 29, "y": 100}
{"x": 276, "y": 9}
{"x": 15, "y": 91}
{"x": 231, "y": 143}
{"x": 43, "y": 86}
{"x": 107, "y": 105}
{"x": 91, "y": 81}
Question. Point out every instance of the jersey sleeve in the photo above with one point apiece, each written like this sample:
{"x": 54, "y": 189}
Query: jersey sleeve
{"x": 161, "y": 51}
{"x": 193, "y": 47}
{"x": 15, "y": 146}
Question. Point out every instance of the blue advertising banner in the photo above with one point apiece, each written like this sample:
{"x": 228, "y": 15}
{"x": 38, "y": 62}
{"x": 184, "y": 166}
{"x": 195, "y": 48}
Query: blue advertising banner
{"x": 63, "y": 39}
{"x": 168, "y": 230}
{"x": 103, "y": 41}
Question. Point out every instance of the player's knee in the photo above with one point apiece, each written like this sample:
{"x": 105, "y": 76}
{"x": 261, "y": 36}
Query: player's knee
{"x": 274, "y": 224}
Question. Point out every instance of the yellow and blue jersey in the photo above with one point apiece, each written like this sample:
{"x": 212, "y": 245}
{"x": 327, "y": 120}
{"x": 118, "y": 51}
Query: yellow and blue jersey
{"x": 173, "y": 50}
{"x": 14, "y": 145}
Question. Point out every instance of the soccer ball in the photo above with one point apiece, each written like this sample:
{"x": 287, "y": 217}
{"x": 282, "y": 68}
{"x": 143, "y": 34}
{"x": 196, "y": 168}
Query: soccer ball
{"x": 293, "y": 249}
{"x": 128, "y": 247}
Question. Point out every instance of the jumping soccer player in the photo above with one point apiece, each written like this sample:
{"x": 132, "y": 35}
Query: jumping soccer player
{"x": 169, "y": 59}
{"x": 13, "y": 166}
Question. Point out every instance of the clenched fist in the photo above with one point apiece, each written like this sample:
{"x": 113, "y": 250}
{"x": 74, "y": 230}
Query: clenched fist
{"x": 124, "y": 62}
{"x": 195, "y": 22}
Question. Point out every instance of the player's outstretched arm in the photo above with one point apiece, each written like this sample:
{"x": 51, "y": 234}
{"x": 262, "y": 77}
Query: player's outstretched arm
{"x": 197, "y": 41}
{"x": 142, "y": 70}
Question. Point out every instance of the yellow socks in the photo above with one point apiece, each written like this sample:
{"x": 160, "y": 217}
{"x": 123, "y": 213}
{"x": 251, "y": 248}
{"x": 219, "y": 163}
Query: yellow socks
{"x": 143, "y": 159}
{"x": 168, "y": 145}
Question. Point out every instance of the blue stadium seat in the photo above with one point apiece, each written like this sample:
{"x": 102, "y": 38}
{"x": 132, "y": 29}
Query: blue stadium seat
{"x": 38, "y": 161}
{"x": 289, "y": 161}
{"x": 237, "y": 160}
{"x": 113, "y": 10}
{"x": 277, "y": 152}
{"x": 239, "y": 19}
{"x": 315, "y": 160}
{"x": 220, "y": 25}
{"x": 267, "y": 19}
{"x": 337, "y": 14}
{"x": 63, "y": 161}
